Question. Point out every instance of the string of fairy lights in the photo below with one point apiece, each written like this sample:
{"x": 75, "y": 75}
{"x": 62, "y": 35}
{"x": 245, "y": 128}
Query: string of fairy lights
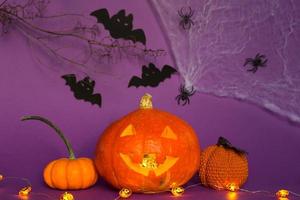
{"x": 25, "y": 192}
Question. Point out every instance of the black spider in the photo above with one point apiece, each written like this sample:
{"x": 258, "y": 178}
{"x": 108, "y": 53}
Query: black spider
{"x": 258, "y": 61}
{"x": 184, "y": 95}
{"x": 186, "y": 15}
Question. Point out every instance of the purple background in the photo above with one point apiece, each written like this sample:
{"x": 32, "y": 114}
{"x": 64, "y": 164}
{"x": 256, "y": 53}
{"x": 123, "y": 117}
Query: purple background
{"x": 27, "y": 87}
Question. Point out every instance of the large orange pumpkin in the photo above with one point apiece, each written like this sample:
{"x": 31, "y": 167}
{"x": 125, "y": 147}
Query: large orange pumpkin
{"x": 148, "y": 150}
{"x": 223, "y": 166}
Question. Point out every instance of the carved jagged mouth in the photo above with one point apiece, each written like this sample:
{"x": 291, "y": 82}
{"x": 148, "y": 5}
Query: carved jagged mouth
{"x": 149, "y": 164}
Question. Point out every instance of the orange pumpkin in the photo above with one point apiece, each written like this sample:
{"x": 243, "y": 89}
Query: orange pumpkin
{"x": 67, "y": 173}
{"x": 148, "y": 151}
{"x": 223, "y": 166}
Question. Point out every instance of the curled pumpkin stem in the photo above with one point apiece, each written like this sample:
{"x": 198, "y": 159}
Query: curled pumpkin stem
{"x": 227, "y": 145}
{"x": 57, "y": 130}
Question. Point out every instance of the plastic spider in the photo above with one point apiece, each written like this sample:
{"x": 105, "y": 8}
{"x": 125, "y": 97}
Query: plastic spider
{"x": 258, "y": 61}
{"x": 184, "y": 95}
{"x": 186, "y": 15}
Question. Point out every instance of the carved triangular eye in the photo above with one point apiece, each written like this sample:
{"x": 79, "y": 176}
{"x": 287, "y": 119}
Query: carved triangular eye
{"x": 129, "y": 130}
{"x": 169, "y": 133}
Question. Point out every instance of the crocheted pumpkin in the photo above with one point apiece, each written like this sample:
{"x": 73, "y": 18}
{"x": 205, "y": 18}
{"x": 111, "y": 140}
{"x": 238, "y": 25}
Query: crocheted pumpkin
{"x": 223, "y": 166}
{"x": 148, "y": 151}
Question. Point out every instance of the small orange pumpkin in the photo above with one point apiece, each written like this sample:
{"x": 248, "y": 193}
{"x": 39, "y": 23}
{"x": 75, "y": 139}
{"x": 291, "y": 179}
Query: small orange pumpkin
{"x": 67, "y": 173}
{"x": 148, "y": 151}
{"x": 223, "y": 166}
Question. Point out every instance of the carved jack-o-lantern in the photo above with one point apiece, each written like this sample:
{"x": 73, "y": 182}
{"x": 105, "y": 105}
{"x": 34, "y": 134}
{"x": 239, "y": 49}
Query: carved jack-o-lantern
{"x": 148, "y": 150}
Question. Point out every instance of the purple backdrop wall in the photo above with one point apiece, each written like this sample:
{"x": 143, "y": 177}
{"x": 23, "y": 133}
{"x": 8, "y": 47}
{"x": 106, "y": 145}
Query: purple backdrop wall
{"x": 27, "y": 87}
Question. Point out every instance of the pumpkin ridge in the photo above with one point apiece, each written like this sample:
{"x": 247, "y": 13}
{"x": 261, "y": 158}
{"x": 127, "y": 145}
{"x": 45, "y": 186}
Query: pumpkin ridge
{"x": 112, "y": 160}
{"x": 82, "y": 174}
{"x": 55, "y": 183}
{"x": 66, "y": 174}
{"x": 216, "y": 150}
{"x": 229, "y": 161}
{"x": 49, "y": 174}
{"x": 206, "y": 164}
{"x": 92, "y": 177}
{"x": 189, "y": 161}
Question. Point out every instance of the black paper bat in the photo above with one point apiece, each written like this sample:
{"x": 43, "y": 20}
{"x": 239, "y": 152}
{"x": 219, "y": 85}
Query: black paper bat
{"x": 120, "y": 25}
{"x": 83, "y": 89}
{"x": 152, "y": 76}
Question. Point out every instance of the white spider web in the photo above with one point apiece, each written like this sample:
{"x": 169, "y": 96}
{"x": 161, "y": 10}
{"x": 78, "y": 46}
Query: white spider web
{"x": 210, "y": 56}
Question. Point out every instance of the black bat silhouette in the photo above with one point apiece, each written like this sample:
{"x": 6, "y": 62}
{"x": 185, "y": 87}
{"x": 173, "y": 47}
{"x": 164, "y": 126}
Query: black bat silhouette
{"x": 152, "y": 76}
{"x": 227, "y": 145}
{"x": 120, "y": 25}
{"x": 83, "y": 89}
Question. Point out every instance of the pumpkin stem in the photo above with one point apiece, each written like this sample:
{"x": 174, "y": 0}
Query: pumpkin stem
{"x": 227, "y": 145}
{"x": 57, "y": 130}
{"x": 146, "y": 102}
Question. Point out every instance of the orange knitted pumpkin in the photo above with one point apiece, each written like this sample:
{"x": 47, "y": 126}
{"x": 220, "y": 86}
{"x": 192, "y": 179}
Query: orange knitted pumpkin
{"x": 148, "y": 151}
{"x": 223, "y": 166}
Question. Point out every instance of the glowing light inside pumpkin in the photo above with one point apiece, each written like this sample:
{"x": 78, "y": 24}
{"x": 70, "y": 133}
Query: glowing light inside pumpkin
{"x": 125, "y": 193}
{"x": 232, "y": 187}
{"x": 282, "y": 194}
{"x": 1, "y": 177}
{"x": 24, "y": 192}
{"x": 149, "y": 161}
{"x": 177, "y": 191}
{"x": 66, "y": 196}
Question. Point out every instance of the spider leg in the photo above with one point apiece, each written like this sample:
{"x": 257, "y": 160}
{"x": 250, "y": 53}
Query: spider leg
{"x": 188, "y": 100}
{"x": 255, "y": 69}
{"x": 185, "y": 101}
{"x": 264, "y": 63}
{"x": 251, "y": 70}
{"x": 187, "y": 25}
{"x": 193, "y": 92}
{"x": 178, "y": 101}
{"x": 181, "y": 23}
{"x": 257, "y": 55}
{"x": 262, "y": 56}
{"x": 247, "y": 61}
{"x": 190, "y": 12}
{"x": 180, "y": 12}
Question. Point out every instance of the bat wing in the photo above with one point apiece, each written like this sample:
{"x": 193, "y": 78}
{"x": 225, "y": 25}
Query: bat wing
{"x": 136, "y": 81}
{"x": 70, "y": 81}
{"x": 137, "y": 35}
{"x": 94, "y": 99}
{"x": 167, "y": 71}
{"x": 102, "y": 16}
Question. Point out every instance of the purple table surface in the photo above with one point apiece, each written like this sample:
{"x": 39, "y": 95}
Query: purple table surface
{"x": 27, "y": 87}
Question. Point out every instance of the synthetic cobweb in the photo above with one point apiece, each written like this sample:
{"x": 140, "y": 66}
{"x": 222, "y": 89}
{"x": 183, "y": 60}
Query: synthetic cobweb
{"x": 210, "y": 55}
